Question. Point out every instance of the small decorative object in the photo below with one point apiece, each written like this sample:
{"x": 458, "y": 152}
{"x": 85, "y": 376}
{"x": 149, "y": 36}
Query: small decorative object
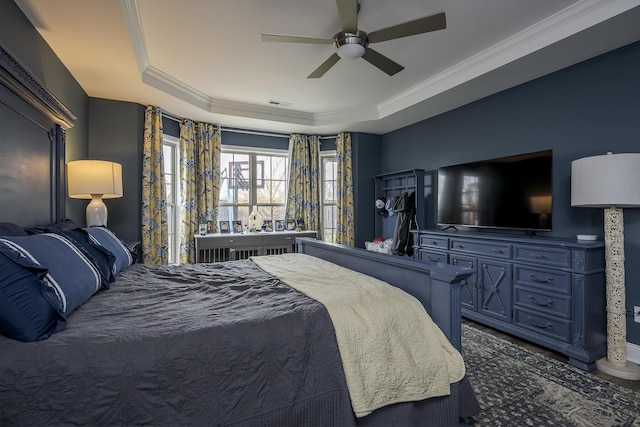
{"x": 279, "y": 225}
{"x": 209, "y": 227}
{"x": 255, "y": 221}
{"x": 202, "y": 228}
{"x": 267, "y": 225}
{"x": 224, "y": 226}
{"x": 291, "y": 225}
{"x": 300, "y": 225}
{"x": 237, "y": 226}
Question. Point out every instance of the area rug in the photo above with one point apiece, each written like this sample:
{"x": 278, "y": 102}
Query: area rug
{"x": 516, "y": 387}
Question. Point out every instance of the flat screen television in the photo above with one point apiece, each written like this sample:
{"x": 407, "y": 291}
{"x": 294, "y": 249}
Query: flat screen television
{"x": 509, "y": 193}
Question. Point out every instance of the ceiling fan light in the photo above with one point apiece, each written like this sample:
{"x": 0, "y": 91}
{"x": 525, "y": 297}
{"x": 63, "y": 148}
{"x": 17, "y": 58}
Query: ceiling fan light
{"x": 351, "y": 51}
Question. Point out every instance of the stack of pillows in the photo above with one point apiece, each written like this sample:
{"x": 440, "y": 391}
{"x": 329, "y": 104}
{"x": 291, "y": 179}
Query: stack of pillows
{"x": 47, "y": 272}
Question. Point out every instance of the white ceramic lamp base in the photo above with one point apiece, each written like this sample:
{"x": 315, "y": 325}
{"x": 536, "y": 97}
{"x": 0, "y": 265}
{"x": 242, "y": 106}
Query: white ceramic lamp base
{"x": 96, "y": 211}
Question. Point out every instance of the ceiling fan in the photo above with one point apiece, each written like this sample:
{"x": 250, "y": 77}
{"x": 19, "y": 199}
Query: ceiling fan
{"x": 352, "y": 43}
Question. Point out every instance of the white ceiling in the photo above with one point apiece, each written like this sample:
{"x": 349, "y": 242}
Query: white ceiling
{"x": 205, "y": 60}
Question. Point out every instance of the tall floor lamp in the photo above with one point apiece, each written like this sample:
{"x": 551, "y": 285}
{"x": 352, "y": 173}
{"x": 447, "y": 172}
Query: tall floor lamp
{"x": 95, "y": 180}
{"x": 611, "y": 181}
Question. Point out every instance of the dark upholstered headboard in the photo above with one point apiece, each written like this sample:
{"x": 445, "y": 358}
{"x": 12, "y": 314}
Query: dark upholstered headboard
{"x": 32, "y": 152}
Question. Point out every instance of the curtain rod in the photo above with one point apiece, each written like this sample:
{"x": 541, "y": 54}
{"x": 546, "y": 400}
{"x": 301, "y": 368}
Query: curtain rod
{"x": 249, "y": 132}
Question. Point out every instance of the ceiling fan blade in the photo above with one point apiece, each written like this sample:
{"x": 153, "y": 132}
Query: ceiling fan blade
{"x": 348, "y": 12}
{"x": 326, "y": 65}
{"x": 294, "y": 39}
{"x": 429, "y": 23}
{"x": 382, "y": 62}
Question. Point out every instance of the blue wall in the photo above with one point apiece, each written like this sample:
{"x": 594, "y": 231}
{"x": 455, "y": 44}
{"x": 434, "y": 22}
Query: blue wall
{"x": 19, "y": 37}
{"x": 587, "y": 109}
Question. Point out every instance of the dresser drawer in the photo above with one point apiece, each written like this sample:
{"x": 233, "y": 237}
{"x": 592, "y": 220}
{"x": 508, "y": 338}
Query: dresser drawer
{"x": 495, "y": 249}
{"x": 432, "y": 256}
{"x": 542, "y": 255}
{"x": 229, "y": 241}
{"x": 543, "y": 302}
{"x": 542, "y": 324}
{"x": 466, "y": 262}
{"x": 542, "y": 278}
{"x": 279, "y": 240}
{"x": 427, "y": 242}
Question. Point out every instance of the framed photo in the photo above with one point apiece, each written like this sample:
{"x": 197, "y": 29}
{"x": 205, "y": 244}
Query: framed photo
{"x": 267, "y": 225}
{"x": 279, "y": 225}
{"x": 291, "y": 225}
{"x": 300, "y": 225}
{"x": 202, "y": 229}
{"x": 224, "y": 227}
{"x": 209, "y": 227}
{"x": 237, "y": 226}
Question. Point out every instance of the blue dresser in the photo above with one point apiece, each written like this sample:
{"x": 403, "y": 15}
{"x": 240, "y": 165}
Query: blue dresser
{"x": 549, "y": 291}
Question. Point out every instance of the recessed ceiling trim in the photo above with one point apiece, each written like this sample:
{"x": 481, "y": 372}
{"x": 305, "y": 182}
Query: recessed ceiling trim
{"x": 565, "y": 23}
{"x": 168, "y": 84}
{"x": 231, "y": 108}
{"x": 575, "y": 18}
{"x": 133, "y": 21}
{"x": 346, "y": 116}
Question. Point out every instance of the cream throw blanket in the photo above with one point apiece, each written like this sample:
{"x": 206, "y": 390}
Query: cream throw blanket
{"x": 391, "y": 350}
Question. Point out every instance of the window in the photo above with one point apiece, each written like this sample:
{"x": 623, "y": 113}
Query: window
{"x": 329, "y": 208}
{"x": 253, "y": 178}
{"x": 172, "y": 182}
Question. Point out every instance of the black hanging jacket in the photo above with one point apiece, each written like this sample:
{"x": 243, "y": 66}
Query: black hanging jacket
{"x": 404, "y": 208}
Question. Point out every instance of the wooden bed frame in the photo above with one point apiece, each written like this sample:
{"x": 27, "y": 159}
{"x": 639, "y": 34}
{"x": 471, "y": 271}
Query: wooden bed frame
{"x": 33, "y": 193}
{"x": 437, "y": 287}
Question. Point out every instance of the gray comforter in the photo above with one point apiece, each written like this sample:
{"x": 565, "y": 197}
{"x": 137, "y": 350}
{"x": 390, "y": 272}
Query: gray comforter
{"x": 205, "y": 344}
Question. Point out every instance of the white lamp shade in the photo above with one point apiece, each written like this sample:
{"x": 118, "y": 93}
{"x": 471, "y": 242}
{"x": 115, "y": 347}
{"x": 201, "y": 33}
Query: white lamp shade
{"x": 605, "y": 181}
{"x": 94, "y": 177}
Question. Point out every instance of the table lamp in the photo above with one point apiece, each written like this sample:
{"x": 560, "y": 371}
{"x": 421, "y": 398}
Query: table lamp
{"x": 95, "y": 180}
{"x": 611, "y": 181}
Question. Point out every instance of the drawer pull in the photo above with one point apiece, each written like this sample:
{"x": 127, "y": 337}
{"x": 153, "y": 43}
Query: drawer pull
{"x": 436, "y": 259}
{"x": 533, "y": 323}
{"x": 539, "y": 256}
{"x": 288, "y": 238}
{"x": 536, "y": 302}
{"x": 498, "y": 251}
{"x": 459, "y": 246}
{"x": 231, "y": 240}
{"x": 535, "y": 279}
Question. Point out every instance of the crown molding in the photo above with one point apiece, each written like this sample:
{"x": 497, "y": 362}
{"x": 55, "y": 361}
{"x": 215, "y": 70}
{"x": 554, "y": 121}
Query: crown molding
{"x": 563, "y": 24}
{"x": 17, "y": 78}
{"x": 575, "y": 18}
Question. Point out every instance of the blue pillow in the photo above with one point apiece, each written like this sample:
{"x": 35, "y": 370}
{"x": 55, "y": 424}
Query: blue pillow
{"x": 67, "y": 279}
{"x": 25, "y": 314}
{"x": 106, "y": 238}
{"x": 98, "y": 254}
{"x": 9, "y": 229}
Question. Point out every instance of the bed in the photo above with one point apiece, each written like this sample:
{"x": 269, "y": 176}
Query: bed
{"x": 235, "y": 343}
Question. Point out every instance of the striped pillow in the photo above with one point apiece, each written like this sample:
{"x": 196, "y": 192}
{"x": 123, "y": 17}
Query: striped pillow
{"x": 67, "y": 277}
{"x": 106, "y": 238}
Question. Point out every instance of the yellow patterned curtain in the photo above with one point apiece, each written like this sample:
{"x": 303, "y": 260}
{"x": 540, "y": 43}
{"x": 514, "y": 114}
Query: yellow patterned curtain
{"x": 199, "y": 182}
{"x": 303, "y": 198}
{"x": 155, "y": 231}
{"x": 345, "y": 217}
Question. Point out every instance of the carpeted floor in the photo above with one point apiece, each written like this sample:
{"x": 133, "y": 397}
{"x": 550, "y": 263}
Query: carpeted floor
{"x": 516, "y": 387}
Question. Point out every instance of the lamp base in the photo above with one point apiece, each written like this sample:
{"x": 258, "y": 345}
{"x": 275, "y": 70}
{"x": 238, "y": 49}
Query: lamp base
{"x": 628, "y": 371}
{"x": 96, "y": 212}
